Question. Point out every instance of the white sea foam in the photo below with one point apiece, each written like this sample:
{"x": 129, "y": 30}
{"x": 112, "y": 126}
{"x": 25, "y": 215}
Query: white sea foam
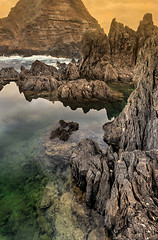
{"x": 16, "y": 61}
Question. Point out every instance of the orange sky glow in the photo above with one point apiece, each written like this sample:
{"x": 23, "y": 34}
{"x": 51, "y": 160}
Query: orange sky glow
{"x": 129, "y": 12}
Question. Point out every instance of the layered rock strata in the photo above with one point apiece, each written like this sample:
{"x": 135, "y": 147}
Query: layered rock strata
{"x": 46, "y": 27}
{"x": 122, "y": 183}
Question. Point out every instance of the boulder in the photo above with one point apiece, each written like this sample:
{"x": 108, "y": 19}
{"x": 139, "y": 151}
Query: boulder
{"x": 82, "y": 89}
{"x": 8, "y": 74}
{"x": 64, "y": 131}
{"x": 110, "y": 74}
{"x": 39, "y": 68}
{"x": 72, "y": 71}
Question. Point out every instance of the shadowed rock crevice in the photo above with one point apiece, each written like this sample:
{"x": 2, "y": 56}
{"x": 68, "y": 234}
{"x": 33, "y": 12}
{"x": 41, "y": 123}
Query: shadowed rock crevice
{"x": 127, "y": 176}
{"x": 113, "y": 57}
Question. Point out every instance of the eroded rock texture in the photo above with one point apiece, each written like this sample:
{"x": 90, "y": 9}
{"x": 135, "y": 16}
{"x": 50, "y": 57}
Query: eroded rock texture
{"x": 81, "y": 89}
{"x": 123, "y": 182}
{"x": 64, "y": 83}
{"x": 7, "y": 75}
{"x": 113, "y": 57}
{"x": 137, "y": 126}
{"x": 46, "y": 26}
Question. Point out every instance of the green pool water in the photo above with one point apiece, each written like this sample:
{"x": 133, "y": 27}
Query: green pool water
{"x": 37, "y": 197}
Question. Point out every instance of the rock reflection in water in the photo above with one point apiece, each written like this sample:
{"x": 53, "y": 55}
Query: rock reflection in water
{"x": 63, "y": 207}
{"x": 24, "y": 136}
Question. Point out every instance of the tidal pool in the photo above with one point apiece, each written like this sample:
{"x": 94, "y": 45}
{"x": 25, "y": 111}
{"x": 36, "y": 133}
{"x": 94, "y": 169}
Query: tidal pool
{"x": 37, "y": 197}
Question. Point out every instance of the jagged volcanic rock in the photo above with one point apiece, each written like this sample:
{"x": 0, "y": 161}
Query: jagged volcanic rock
{"x": 113, "y": 57}
{"x": 122, "y": 40}
{"x": 126, "y": 177}
{"x": 136, "y": 126}
{"x": 81, "y": 89}
{"x": 146, "y": 29}
{"x": 95, "y": 51}
{"x": 42, "y": 77}
{"x": 45, "y": 26}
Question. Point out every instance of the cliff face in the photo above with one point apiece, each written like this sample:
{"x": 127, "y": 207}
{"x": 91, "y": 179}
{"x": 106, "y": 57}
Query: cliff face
{"x": 146, "y": 29}
{"x": 122, "y": 183}
{"x": 122, "y": 46}
{"x": 46, "y": 26}
{"x": 122, "y": 40}
{"x": 136, "y": 126}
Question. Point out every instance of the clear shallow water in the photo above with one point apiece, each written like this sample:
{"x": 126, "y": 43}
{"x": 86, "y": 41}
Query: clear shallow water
{"x": 23, "y": 182}
{"x": 18, "y": 61}
{"x": 38, "y": 200}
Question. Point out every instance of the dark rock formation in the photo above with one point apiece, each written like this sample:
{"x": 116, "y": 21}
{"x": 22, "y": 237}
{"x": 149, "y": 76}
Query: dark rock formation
{"x": 82, "y": 89}
{"x": 38, "y": 84}
{"x": 95, "y": 51}
{"x": 8, "y": 74}
{"x": 1, "y": 86}
{"x": 136, "y": 126}
{"x": 126, "y": 180}
{"x": 39, "y": 68}
{"x": 122, "y": 40}
{"x": 146, "y": 30}
{"x": 113, "y": 57}
{"x": 72, "y": 71}
{"x": 132, "y": 212}
{"x": 39, "y": 78}
{"x": 42, "y": 77}
{"x": 123, "y": 187}
{"x": 45, "y": 26}
{"x": 91, "y": 171}
{"x": 65, "y": 130}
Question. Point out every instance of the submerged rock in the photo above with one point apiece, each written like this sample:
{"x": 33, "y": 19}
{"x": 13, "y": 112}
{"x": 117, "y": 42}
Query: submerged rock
{"x": 65, "y": 130}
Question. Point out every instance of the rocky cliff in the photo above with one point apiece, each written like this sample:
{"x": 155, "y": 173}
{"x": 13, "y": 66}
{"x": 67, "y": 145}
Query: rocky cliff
{"x": 46, "y": 26}
{"x": 122, "y": 183}
{"x": 113, "y": 57}
{"x": 136, "y": 126}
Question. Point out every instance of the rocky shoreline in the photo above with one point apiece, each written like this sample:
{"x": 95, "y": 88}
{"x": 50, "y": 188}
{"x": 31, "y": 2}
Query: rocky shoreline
{"x": 122, "y": 183}
{"x": 64, "y": 83}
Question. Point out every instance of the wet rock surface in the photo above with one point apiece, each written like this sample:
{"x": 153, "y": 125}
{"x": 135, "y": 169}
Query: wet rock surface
{"x": 65, "y": 130}
{"x": 44, "y": 78}
{"x": 63, "y": 211}
{"x": 122, "y": 183}
{"x": 82, "y": 89}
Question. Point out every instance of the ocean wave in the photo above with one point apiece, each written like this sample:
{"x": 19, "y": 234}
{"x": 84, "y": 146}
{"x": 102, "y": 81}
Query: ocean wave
{"x": 16, "y": 61}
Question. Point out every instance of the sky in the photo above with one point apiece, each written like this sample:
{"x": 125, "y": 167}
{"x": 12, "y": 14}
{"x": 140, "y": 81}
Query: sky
{"x": 129, "y": 12}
